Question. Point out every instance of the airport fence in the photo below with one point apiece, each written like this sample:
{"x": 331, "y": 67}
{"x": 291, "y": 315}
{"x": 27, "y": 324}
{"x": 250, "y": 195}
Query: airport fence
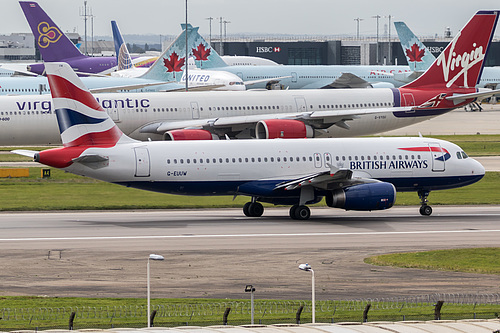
{"x": 455, "y": 306}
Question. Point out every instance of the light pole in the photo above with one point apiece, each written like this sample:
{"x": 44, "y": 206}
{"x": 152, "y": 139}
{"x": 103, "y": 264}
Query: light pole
{"x": 250, "y": 289}
{"x": 308, "y": 268}
{"x": 377, "y": 17}
{"x": 151, "y": 257}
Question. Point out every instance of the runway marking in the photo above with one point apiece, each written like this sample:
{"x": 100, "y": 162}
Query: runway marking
{"x": 246, "y": 235}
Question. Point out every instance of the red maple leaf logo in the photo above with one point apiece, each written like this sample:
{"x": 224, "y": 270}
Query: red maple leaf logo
{"x": 415, "y": 54}
{"x": 201, "y": 53}
{"x": 174, "y": 64}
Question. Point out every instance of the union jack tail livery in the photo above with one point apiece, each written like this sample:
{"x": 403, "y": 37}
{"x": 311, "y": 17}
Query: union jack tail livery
{"x": 83, "y": 123}
{"x": 461, "y": 63}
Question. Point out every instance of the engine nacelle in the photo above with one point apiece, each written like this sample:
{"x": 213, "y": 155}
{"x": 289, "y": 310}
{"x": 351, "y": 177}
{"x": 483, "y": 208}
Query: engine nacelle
{"x": 374, "y": 196}
{"x": 283, "y": 129}
{"x": 189, "y": 134}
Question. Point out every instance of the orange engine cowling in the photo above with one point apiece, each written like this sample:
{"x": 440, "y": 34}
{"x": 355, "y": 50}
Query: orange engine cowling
{"x": 188, "y": 134}
{"x": 283, "y": 129}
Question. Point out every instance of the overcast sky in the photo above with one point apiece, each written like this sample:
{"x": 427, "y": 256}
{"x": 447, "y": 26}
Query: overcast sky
{"x": 313, "y": 17}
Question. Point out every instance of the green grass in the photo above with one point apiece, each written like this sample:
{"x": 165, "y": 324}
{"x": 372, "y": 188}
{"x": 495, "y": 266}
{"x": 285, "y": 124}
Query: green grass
{"x": 50, "y": 312}
{"x": 64, "y": 191}
{"x": 476, "y": 260}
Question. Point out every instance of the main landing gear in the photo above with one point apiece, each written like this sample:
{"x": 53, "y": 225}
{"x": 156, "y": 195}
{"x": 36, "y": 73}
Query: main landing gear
{"x": 425, "y": 209}
{"x": 300, "y": 212}
{"x": 253, "y": 209}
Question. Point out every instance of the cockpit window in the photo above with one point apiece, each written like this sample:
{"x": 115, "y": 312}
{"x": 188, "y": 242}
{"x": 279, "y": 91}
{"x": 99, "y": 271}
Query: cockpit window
{"x": 464, "y": 155}
{"x": 459, "y": 155}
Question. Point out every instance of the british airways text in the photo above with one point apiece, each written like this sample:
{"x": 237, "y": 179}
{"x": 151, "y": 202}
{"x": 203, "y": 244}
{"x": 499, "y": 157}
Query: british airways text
{"x": 385, "y": 165}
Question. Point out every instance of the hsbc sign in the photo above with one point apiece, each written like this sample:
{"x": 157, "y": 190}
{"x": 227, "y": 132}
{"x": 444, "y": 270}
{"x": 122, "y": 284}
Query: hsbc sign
{"x": 267, "y": 49}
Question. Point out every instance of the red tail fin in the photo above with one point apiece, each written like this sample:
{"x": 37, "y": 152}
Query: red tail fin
{"x": 461, "y": 63}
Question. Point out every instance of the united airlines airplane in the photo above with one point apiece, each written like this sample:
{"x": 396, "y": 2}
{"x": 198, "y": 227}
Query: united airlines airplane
{"x": 352, "y": 174}
{"x": 448, "y": 84}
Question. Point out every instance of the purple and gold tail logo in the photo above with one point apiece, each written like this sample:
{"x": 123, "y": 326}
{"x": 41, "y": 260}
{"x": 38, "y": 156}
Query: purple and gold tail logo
{"x": 48, "y": 34}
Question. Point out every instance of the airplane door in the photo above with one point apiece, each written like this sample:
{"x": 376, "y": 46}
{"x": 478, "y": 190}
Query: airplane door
{"x": 301, "y": 104}
{"x": 409, "y": 99}
{"x": 142, "y": 167}
{"x": 113, "y": 113}
{"x": 438, "y": 157}
{"x": 195, "y": 110}
{"x": 294, "y": 77}
{"x": 317, "y": 160}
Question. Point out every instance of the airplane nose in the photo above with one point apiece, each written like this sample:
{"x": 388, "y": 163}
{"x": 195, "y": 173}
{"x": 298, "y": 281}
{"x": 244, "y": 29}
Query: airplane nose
{"x": 477, "y": 168}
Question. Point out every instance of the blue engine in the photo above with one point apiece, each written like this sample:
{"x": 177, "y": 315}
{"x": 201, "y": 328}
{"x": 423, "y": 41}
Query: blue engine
{"x": 374, "y": 196}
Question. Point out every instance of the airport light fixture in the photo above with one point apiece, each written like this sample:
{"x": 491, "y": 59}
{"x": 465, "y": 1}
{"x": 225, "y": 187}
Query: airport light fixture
{"x": 151, "y": 257}
{"x": 250, "y": 289}
{"x": 306, "y": 267}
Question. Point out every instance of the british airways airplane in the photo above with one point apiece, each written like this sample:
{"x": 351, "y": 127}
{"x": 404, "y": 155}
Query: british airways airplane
{"x": 448, "y": 84}
{"x": 352, "y": 174}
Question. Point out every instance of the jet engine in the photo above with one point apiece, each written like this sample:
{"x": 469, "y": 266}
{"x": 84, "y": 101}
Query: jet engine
{"x": 283, "y": 129}
{"x": 189, "y": 134}
{"x": 373, "y": 196}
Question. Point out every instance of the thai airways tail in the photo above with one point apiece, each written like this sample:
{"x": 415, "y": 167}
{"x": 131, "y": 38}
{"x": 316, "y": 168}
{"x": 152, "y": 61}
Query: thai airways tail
{"x": 54, "y": 45}
{"x": 419, "y": 58}
{"x": 172, "y": 63}
{"x": 461, "y": 63}
{"x": 123, "y": 58}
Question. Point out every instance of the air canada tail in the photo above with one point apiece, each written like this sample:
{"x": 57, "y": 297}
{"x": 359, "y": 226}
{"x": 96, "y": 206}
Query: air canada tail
{"x": 123, "y": 58}
{"x": 172, "y": 63}
{"x": 54, "y": 45}
{"x": 461, "y": 63}
{"x": 82, "y": 121}
{"x": 419, "y": 58}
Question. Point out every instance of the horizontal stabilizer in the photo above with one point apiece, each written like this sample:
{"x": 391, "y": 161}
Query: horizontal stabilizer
{"x": 28, "y": 153}
{"x": 481, "y": 95}
{"x": 86, "y": 159}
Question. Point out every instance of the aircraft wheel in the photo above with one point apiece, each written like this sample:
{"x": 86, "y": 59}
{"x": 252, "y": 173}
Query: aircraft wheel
{"x": 292, "y": 211}
{"x": 255, "y": 209}
{"x": 302, "y": 213}
{"x": 246, "y": 209}
{"x": 426, "y": 210}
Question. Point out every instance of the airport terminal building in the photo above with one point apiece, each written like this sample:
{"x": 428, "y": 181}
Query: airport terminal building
{"x": 305, "y": 50}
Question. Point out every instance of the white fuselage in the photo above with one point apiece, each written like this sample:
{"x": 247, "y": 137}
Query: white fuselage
{"x": 255, "y": 167}
{"x": 30, "y": 120}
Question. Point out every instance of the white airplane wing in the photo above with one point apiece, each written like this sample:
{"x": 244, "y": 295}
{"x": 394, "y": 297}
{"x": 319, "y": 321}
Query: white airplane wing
{"x": 269, "y": 80}
{"x": 315, "y": 119}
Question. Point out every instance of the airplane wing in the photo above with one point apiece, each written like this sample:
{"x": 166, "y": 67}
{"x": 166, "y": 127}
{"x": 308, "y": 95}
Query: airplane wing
{"x": 269, "y": 80}
{"x": 348, "y": 80}
{"x": 316, "y": 119}
{"x": 128, "y": 87}
{"x": 327, "y": 180}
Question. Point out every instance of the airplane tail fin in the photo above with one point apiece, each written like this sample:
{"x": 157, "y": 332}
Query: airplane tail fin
{"x": 53, "y": 44}
{"x": 123, "y": 58}
{"x": 171, "y": 64}
{"x": 461, "y": 63}
{"x": 82, "y": 121}
{"x": 419, "y": 58}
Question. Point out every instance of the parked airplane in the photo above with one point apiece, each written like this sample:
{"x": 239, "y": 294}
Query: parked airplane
{"x": 54, "y": 45}
{"x": 420, "y": 58}
{"x": 159, "y": 77}
{"x": 446, "y": 85}
{"x": 353, "y": 174}
{"x": 312, "y": 76}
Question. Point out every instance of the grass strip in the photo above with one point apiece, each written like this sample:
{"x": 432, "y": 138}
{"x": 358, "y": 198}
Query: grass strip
{"x": 476, "y": 260}
{"x": 64, "y": 191}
